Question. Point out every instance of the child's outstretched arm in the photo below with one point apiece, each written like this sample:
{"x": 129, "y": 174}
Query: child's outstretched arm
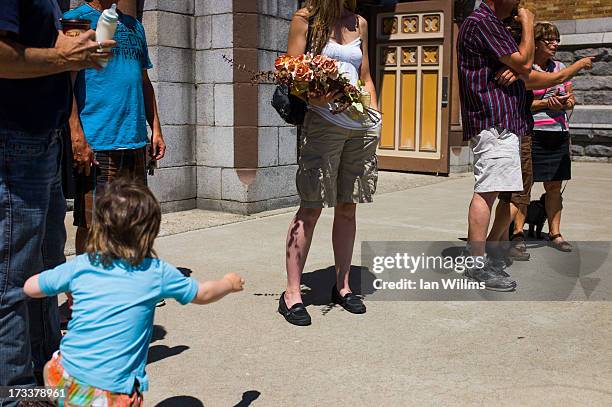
{"x": 32, "y": 288}
{"x": 211, "y": 291}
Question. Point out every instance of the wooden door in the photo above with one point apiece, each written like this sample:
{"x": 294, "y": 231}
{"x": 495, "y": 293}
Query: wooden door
{"x": 413, "y": 53}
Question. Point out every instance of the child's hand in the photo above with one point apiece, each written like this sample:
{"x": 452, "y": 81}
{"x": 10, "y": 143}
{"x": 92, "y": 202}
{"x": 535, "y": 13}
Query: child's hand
{"x": 236, "y": 281}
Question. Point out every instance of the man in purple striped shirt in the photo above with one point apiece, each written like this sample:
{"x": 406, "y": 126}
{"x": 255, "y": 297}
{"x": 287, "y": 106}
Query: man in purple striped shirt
{"x": 493, "y": 120}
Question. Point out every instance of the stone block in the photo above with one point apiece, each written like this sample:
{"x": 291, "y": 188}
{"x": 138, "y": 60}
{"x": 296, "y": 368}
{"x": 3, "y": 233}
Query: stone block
{"x": 266, "y": 59}
{"x": 215, "y": 146}
{"x": 594, "y": 97}
{"x": 460, "y": 156}
{"x": 273, "y": 32}
{"x": 566, "y": 57}
{"x": 224, "y": 105}
{"x": 222, "y": 31}
{"x": 598, "y": 151}
{"x": 592, "y": 115}
{"x": 180, "y": 146}
{"x": 601, "y": 53}
{"x": 171, "y": 64}
{"x": 267, "y": 115}
{"x": 286, "y": 8}
{"x": 566, "y": 26}
{"x": 205, "y": 104}
{"x": 178, "y": 206}
{"x": 203, "y": 32}
{"x": 174, "y": 6}
{"x": 211, "y": 67}
{"x": 208, "y": 7}
{"x": 267, "y": 146}
{"x": 176, "y": 103}
{"x": 594, "y": 25}
{"x": 287, "y": 145}
{"x": 169, "y": 29}
{"x": 174, "y": 184}
{"x": 269, "y": 183}
{"x": 268, "y": 7}
{"x": 210, "y": 204}
{"x": 602, "y": 69}
{"x": 582, "y": 39}
{"x": 249, "y": 208}
{"x": 209, "y": 182}
{"x": 577, "y": 150}
{"x": 593, "y": 83}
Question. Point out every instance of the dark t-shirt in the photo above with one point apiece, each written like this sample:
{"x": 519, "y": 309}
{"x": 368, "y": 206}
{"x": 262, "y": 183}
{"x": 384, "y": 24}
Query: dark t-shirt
{"x": 40, "y": 104}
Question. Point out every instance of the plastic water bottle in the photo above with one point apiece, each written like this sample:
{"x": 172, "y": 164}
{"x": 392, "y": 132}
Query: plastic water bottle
{"x": 107, "y": 25}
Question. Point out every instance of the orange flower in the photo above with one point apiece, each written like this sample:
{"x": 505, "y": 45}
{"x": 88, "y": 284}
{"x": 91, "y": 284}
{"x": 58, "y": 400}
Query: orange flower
{"x": 318, "y": 60}
{"x": 330, "y": 68}
{"x": 282, "y": 61}
{"x": 303, "y": 73}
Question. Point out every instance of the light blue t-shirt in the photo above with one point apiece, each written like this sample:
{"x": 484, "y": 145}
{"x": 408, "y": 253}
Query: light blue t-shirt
{"x": 112, "y": 317}
{"x": 110, "y": 101}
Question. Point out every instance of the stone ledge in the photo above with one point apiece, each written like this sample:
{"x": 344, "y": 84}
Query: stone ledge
{"x": 586, "y": 39}
{"x": 584, "y": 26}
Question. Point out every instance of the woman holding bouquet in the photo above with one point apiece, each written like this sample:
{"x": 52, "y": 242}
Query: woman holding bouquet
{"x": 337, "y": 166}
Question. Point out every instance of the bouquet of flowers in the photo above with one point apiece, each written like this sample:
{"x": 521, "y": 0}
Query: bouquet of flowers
{"x": 317, "y": 75}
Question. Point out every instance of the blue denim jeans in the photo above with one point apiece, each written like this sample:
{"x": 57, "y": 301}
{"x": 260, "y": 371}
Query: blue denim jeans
{"x": 32, "y": 238}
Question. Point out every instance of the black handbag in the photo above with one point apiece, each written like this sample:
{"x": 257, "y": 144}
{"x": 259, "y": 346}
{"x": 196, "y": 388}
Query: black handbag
{"x": 291, "y": 108}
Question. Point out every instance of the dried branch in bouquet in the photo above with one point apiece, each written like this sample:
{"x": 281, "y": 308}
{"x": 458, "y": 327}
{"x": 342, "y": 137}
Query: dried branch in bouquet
{"x": 257, "y": 77}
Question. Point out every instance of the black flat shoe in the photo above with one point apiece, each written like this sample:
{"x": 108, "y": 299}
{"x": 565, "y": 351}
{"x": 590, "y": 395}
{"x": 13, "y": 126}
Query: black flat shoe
{"x": 350, "y": 302}
{"x": 296, "y": 315}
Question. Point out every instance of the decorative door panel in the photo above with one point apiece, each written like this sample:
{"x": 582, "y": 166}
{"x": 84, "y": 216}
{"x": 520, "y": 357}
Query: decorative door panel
{"x": 413, "y": 61}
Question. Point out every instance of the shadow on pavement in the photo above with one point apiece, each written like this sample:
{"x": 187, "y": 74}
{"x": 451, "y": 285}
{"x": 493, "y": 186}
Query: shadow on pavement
{"x": 161, "y": 352}
{"x": 180, "y": 401}
{"x": 159, "y": 333}
{"x": 320, "y": 283}
{"x": 248, "y": 397}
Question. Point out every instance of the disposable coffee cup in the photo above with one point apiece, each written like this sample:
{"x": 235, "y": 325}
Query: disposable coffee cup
{"x": 75, "y": 27}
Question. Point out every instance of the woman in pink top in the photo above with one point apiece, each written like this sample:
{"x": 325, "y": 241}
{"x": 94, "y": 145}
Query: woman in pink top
{"x": 551, "y": 138}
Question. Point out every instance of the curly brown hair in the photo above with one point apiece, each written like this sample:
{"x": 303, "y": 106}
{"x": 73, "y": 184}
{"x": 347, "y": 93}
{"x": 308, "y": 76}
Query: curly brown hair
{"x": 125, "y": 224}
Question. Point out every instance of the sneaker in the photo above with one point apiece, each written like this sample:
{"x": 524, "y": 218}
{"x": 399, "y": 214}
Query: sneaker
{"x": 161, "y": 303}
{"x": 495, "y": 279}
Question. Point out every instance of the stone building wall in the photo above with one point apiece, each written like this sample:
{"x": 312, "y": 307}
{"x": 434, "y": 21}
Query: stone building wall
{"x": 227, "y": 148}
{"x": 569, "y": 9}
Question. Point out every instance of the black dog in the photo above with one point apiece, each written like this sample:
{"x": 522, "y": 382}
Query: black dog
{"x": 536, "y": 217}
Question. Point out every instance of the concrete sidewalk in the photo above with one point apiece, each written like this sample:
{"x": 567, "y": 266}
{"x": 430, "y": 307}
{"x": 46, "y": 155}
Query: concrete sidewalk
{"x": 240, "y": 351}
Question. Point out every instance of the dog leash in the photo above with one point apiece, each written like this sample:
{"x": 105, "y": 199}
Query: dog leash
{"x": 563, "y": 190}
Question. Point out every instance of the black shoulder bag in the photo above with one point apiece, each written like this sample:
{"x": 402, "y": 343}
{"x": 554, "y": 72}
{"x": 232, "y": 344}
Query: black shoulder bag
{"x": 291, "y": 108}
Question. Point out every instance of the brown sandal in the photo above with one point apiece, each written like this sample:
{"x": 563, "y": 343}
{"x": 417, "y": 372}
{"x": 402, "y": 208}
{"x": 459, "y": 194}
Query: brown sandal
{"x": 563, "y": 246}
{"x": 518, "y": 242}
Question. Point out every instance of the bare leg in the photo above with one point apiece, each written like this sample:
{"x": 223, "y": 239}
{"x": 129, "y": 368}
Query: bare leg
{"x": 299, "y": 238}
{"x": 343, "y": 239}
{"x": 479, "y": 217}
{"x": 553, "y": 207}
{"x": 81, "y": 240}
{"x": 519, "y": 219}
{"x": 504, "y": 213}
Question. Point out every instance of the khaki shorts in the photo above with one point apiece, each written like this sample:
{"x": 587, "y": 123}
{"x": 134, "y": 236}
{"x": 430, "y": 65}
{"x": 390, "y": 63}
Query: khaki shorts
{"x": 523, "y": 197}
{"x": 497, "y": 161}
{"x": 336, "y": 164}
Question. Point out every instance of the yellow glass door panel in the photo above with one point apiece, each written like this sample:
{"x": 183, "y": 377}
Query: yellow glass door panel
{"x": 387, "y": 139}
{"x": 408, "y": 110}
{"x": 429, "y": 111}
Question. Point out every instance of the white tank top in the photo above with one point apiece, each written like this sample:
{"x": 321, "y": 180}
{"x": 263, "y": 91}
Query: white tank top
{"x": 349, "y": 57}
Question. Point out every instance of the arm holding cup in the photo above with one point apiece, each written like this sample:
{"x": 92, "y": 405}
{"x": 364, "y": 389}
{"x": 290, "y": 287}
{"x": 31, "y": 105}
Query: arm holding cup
{"x": 69, "y": 54}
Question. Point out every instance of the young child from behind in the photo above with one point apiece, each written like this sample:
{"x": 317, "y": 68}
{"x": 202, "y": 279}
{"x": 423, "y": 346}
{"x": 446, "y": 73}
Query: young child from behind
{"x": 115, "y": 286}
